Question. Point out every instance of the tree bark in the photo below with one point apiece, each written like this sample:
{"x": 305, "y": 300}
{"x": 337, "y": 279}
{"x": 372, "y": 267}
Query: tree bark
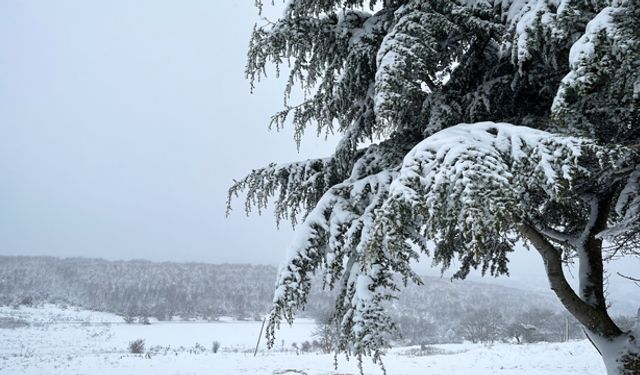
{"x": 620, "y": 350}
{"x": 630, "y": 364}
{"x": 621, "y": 355}
{"x": 594, "y": 319}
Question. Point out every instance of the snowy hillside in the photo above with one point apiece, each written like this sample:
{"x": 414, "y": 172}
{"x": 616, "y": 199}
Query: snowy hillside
{"x": 138, "y": 287}
{"x": 440, "y": 311}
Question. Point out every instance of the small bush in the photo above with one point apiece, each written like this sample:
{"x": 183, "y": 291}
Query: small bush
{"x": 197, "y": 349}
{"x": 136, "y": 346}
{"x": 305, "y": 347}
{"x": 215, "y": 347}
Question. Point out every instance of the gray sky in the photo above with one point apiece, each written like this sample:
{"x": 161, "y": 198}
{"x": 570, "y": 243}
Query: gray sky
{"x": 122, "y": 124}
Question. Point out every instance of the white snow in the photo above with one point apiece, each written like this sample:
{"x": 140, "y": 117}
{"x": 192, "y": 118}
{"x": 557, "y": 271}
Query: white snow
{"x": 584, "y": 48}
{"x": 583, "y": 51}
{"x": 447, "y": 162}
{"x": 83, "y": 342}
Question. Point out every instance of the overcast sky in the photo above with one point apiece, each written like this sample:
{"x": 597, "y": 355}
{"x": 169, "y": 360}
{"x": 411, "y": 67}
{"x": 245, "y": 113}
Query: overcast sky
{"x": 122, "y": 124}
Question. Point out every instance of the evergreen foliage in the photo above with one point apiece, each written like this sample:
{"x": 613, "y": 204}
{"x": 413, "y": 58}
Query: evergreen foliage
{"x": 491, "y": 121}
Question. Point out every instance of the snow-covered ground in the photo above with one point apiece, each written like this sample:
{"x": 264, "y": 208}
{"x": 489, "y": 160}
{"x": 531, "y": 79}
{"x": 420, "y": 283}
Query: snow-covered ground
{"x": 69, "y": 341}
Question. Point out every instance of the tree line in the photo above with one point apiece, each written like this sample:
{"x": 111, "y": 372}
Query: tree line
{"x": 439, "y": 311}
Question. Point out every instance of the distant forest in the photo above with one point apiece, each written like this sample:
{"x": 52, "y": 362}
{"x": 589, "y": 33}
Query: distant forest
{"x": 438, "y": 311}
{"x": 139, "y": 287}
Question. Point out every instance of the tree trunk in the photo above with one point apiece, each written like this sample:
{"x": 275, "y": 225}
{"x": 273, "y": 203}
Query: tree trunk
{"x": 630, "y": 364}
{"x": 621, "y": 355}
{"x": 620, "y": 351}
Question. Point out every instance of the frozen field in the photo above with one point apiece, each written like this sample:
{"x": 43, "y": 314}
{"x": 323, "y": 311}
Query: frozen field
{"x": 80, "y": 342}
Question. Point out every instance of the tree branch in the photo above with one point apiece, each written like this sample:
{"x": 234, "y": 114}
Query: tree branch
{"x": 589, "y": 249}
{"x": 557, "y": 236}
{"x": 636, "y": 281}
{"x": 593, "y": 319}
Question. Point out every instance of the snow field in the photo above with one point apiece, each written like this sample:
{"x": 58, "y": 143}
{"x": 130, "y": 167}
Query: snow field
{"x": 81, "y": 342}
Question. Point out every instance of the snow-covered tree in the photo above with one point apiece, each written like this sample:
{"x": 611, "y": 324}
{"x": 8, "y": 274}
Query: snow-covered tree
{"x": 467, "y": 126}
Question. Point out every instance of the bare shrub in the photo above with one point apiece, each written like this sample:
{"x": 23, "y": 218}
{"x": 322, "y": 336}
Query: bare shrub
{"x": 136, "y": 346}
{"x": 197, "y": 349}
{"x": 215, "y": 347}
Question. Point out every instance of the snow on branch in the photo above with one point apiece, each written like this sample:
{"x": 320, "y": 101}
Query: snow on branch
{"x": 406, "y": 71}
{"x": 466, "y": 188}
{"x": 601, "y": 91}
{"x": 331, "y": 56}
{"x": 475, "y": 164}
{"x": 469, "y": 185}
{"x": 625, "y": 229}
{"x": 297, "y": 186}
{"x": 423, "y": 44}
{"x": 527, "y": 18}
{"x": 335, "y": 237}
{"x": 582, "y": 53}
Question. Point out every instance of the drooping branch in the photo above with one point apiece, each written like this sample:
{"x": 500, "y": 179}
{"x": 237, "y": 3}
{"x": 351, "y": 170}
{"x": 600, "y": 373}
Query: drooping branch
{"x": 468, "y": 183}
{"x": 593, "y": 89}
{"x": 334, "y": 238}
{"x": 295, "y": 188}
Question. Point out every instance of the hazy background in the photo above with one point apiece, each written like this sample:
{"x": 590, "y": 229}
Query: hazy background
{"x": 122, "y": 124}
